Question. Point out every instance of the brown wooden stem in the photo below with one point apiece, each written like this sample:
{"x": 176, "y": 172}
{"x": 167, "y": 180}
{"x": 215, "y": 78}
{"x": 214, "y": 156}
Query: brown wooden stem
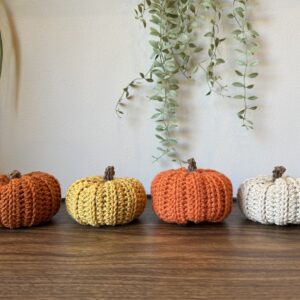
{"x": 278, "y": 172}
{"x": 109, "y": 173}
{"x": 192, "y": 165}
{"x": 14, "y": 175}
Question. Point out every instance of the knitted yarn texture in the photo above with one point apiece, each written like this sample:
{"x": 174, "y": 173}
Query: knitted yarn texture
{"x": 101, "y": 200}
{"x": 271, "y": 200}
{"x": 28, "y": 200}
{"x": 191, "y": 195}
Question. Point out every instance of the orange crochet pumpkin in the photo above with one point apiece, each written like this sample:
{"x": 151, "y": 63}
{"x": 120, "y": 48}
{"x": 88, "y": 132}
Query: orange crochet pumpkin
{"x": 28, "y": 200}
{"x": 191, "y": 195}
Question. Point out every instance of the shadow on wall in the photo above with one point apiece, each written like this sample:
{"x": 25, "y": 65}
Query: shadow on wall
{"x": 10, "y": 80}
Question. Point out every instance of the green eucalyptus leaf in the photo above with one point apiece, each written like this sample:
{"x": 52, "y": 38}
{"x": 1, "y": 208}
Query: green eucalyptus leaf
{"x": 238, "y": 84}
{"x": 253, "y": 107}
{"x": 253, "y": 98}
{"x": 238, "y": 73}
{"x": 239, "y": 97}
{"x": 253, "y": 75}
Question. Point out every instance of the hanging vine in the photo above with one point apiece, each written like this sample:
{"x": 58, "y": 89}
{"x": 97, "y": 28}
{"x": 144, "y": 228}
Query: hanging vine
{"x": 177, "y": 52}
{"x": 246, "y": 38}
{"x": 214, "y": 12}
{"x": 173, "y": 25}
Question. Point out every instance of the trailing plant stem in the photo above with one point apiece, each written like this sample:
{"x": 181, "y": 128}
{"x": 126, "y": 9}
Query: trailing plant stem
{"x": 245, "y": 36}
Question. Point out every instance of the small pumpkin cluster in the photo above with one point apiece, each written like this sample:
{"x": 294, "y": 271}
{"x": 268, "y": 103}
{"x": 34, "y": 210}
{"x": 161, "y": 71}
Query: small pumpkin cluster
{"x": 178, "y": 196}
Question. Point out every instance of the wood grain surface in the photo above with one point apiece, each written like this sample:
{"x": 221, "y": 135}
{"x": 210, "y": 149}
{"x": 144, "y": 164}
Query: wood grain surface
{"x": 147, "y": 259}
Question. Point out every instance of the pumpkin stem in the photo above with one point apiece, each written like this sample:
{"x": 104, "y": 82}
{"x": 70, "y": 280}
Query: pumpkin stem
{"x": 192, "y": 165}
{"x": 109, "y": 173}
{"x": 14, "y": 174}
{"x": 278, "y": 172}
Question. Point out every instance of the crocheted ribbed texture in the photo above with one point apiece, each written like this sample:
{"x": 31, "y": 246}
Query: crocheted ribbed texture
{"x": 181, "y": 196}
{"x": 28, "y": 200}
{"x": 267, "y": 200}
{"x": 96, "y": 201}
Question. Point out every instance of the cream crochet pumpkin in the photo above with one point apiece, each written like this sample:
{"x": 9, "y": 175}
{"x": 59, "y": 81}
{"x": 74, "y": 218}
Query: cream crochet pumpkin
{"x": 271, "y": 199}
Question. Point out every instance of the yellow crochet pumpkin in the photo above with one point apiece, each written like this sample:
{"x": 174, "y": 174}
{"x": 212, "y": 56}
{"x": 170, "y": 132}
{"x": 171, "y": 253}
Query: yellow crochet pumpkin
{"x": 104, "y": 200}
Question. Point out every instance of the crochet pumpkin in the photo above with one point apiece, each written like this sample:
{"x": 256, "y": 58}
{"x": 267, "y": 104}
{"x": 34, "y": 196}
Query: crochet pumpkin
{"x": 271, "y": 199}
{"x": 106, "y": 201}
{"x": 191, "y": 195}
{"x": 28, "y": 200}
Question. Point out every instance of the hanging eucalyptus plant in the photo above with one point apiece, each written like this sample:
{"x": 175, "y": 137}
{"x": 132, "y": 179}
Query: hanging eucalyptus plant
{"x": 182, "y": 45}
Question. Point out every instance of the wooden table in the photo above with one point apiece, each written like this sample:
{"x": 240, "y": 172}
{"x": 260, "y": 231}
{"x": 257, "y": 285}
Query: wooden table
{"x": 151, "y": 260}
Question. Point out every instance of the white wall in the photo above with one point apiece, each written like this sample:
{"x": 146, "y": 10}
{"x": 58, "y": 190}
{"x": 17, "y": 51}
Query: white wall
{"x": 75, "y": 57}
